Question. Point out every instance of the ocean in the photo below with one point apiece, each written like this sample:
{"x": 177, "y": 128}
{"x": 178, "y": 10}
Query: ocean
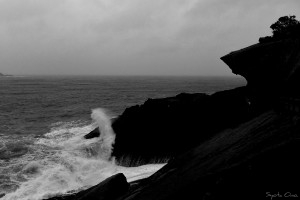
{"x": 43, "y": 120}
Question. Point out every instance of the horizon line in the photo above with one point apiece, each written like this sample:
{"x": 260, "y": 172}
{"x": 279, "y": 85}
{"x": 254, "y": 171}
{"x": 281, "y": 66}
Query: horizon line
{"x": 119, "y": 75}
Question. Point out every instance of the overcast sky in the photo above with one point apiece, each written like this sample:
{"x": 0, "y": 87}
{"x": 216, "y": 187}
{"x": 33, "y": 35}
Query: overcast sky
{"x": 131, "y": 37}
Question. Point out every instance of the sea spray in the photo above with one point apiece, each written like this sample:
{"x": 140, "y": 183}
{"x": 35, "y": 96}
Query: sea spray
{"x": 63, "y": 162}
{"x": 107, "y": 135}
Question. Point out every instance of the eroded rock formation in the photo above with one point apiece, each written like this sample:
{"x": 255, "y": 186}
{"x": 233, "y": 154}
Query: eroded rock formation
{"x": 244, "y": 142}
{"x": 270, "y": 68}
{"x": 164, "y": 128}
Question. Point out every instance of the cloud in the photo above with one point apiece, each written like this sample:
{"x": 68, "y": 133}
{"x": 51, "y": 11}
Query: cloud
{"x": 21, "y": 10}
{"x": 130, "y": 36}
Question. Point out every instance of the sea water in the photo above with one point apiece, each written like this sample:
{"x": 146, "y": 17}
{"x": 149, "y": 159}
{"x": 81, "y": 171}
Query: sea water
{"x": 43, "y": 120}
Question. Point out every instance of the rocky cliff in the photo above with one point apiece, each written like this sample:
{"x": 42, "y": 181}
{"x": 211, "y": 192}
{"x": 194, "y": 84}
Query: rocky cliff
{"x": 257, "y": 159}
{"x": 164, "y": 128}
{"x": 270, "y": 68}
{"x": 173, "y": 125}
{"x": 243, "y": 143}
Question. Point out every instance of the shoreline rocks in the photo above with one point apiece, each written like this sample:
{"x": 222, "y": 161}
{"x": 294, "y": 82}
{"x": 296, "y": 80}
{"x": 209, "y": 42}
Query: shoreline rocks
{"x": 111, "y": 188}
{"x": 236, "y": 144}
{"x": 164, "y": 128}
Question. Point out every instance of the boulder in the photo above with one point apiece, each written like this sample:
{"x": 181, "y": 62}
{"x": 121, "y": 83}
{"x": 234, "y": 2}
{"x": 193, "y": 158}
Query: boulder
{"x": 94, "y": 133}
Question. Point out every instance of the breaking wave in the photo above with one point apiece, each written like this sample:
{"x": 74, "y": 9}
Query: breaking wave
{"x": 63, "y": 162}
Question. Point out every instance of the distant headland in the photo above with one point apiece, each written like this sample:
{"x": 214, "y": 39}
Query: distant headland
{"x": 4, "y": 75}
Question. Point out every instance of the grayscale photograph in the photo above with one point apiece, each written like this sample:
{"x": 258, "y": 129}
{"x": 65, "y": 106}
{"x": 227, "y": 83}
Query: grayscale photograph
{"x": 149, "y": 99}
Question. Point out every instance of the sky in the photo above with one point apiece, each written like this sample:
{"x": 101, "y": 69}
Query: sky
{"x": 131, "y": 37}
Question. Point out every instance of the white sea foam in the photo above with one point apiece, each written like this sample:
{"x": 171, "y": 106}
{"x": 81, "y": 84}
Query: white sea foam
{"x": 107, "y": 136}
{"x": 64, "y": 162}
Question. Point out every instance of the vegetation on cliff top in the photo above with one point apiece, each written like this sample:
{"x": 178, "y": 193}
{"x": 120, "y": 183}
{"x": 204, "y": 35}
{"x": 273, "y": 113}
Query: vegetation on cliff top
{"x": 285, "y": 27}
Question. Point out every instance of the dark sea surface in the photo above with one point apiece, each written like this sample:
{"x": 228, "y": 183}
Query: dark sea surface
{"x": 43, "y": 120}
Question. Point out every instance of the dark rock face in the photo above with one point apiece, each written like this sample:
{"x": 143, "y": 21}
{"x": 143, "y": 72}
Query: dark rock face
{"x": 166, "y": 127}
{"x": 111, "y": 188}
{"x": 271, "y": 68}
{"x": 257, "y": 157}
{"x": 94, "y": 133}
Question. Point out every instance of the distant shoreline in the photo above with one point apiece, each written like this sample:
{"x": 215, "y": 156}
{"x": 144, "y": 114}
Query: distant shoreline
{"x": 128, "y": 76}
{"x": 5, "y": 75}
